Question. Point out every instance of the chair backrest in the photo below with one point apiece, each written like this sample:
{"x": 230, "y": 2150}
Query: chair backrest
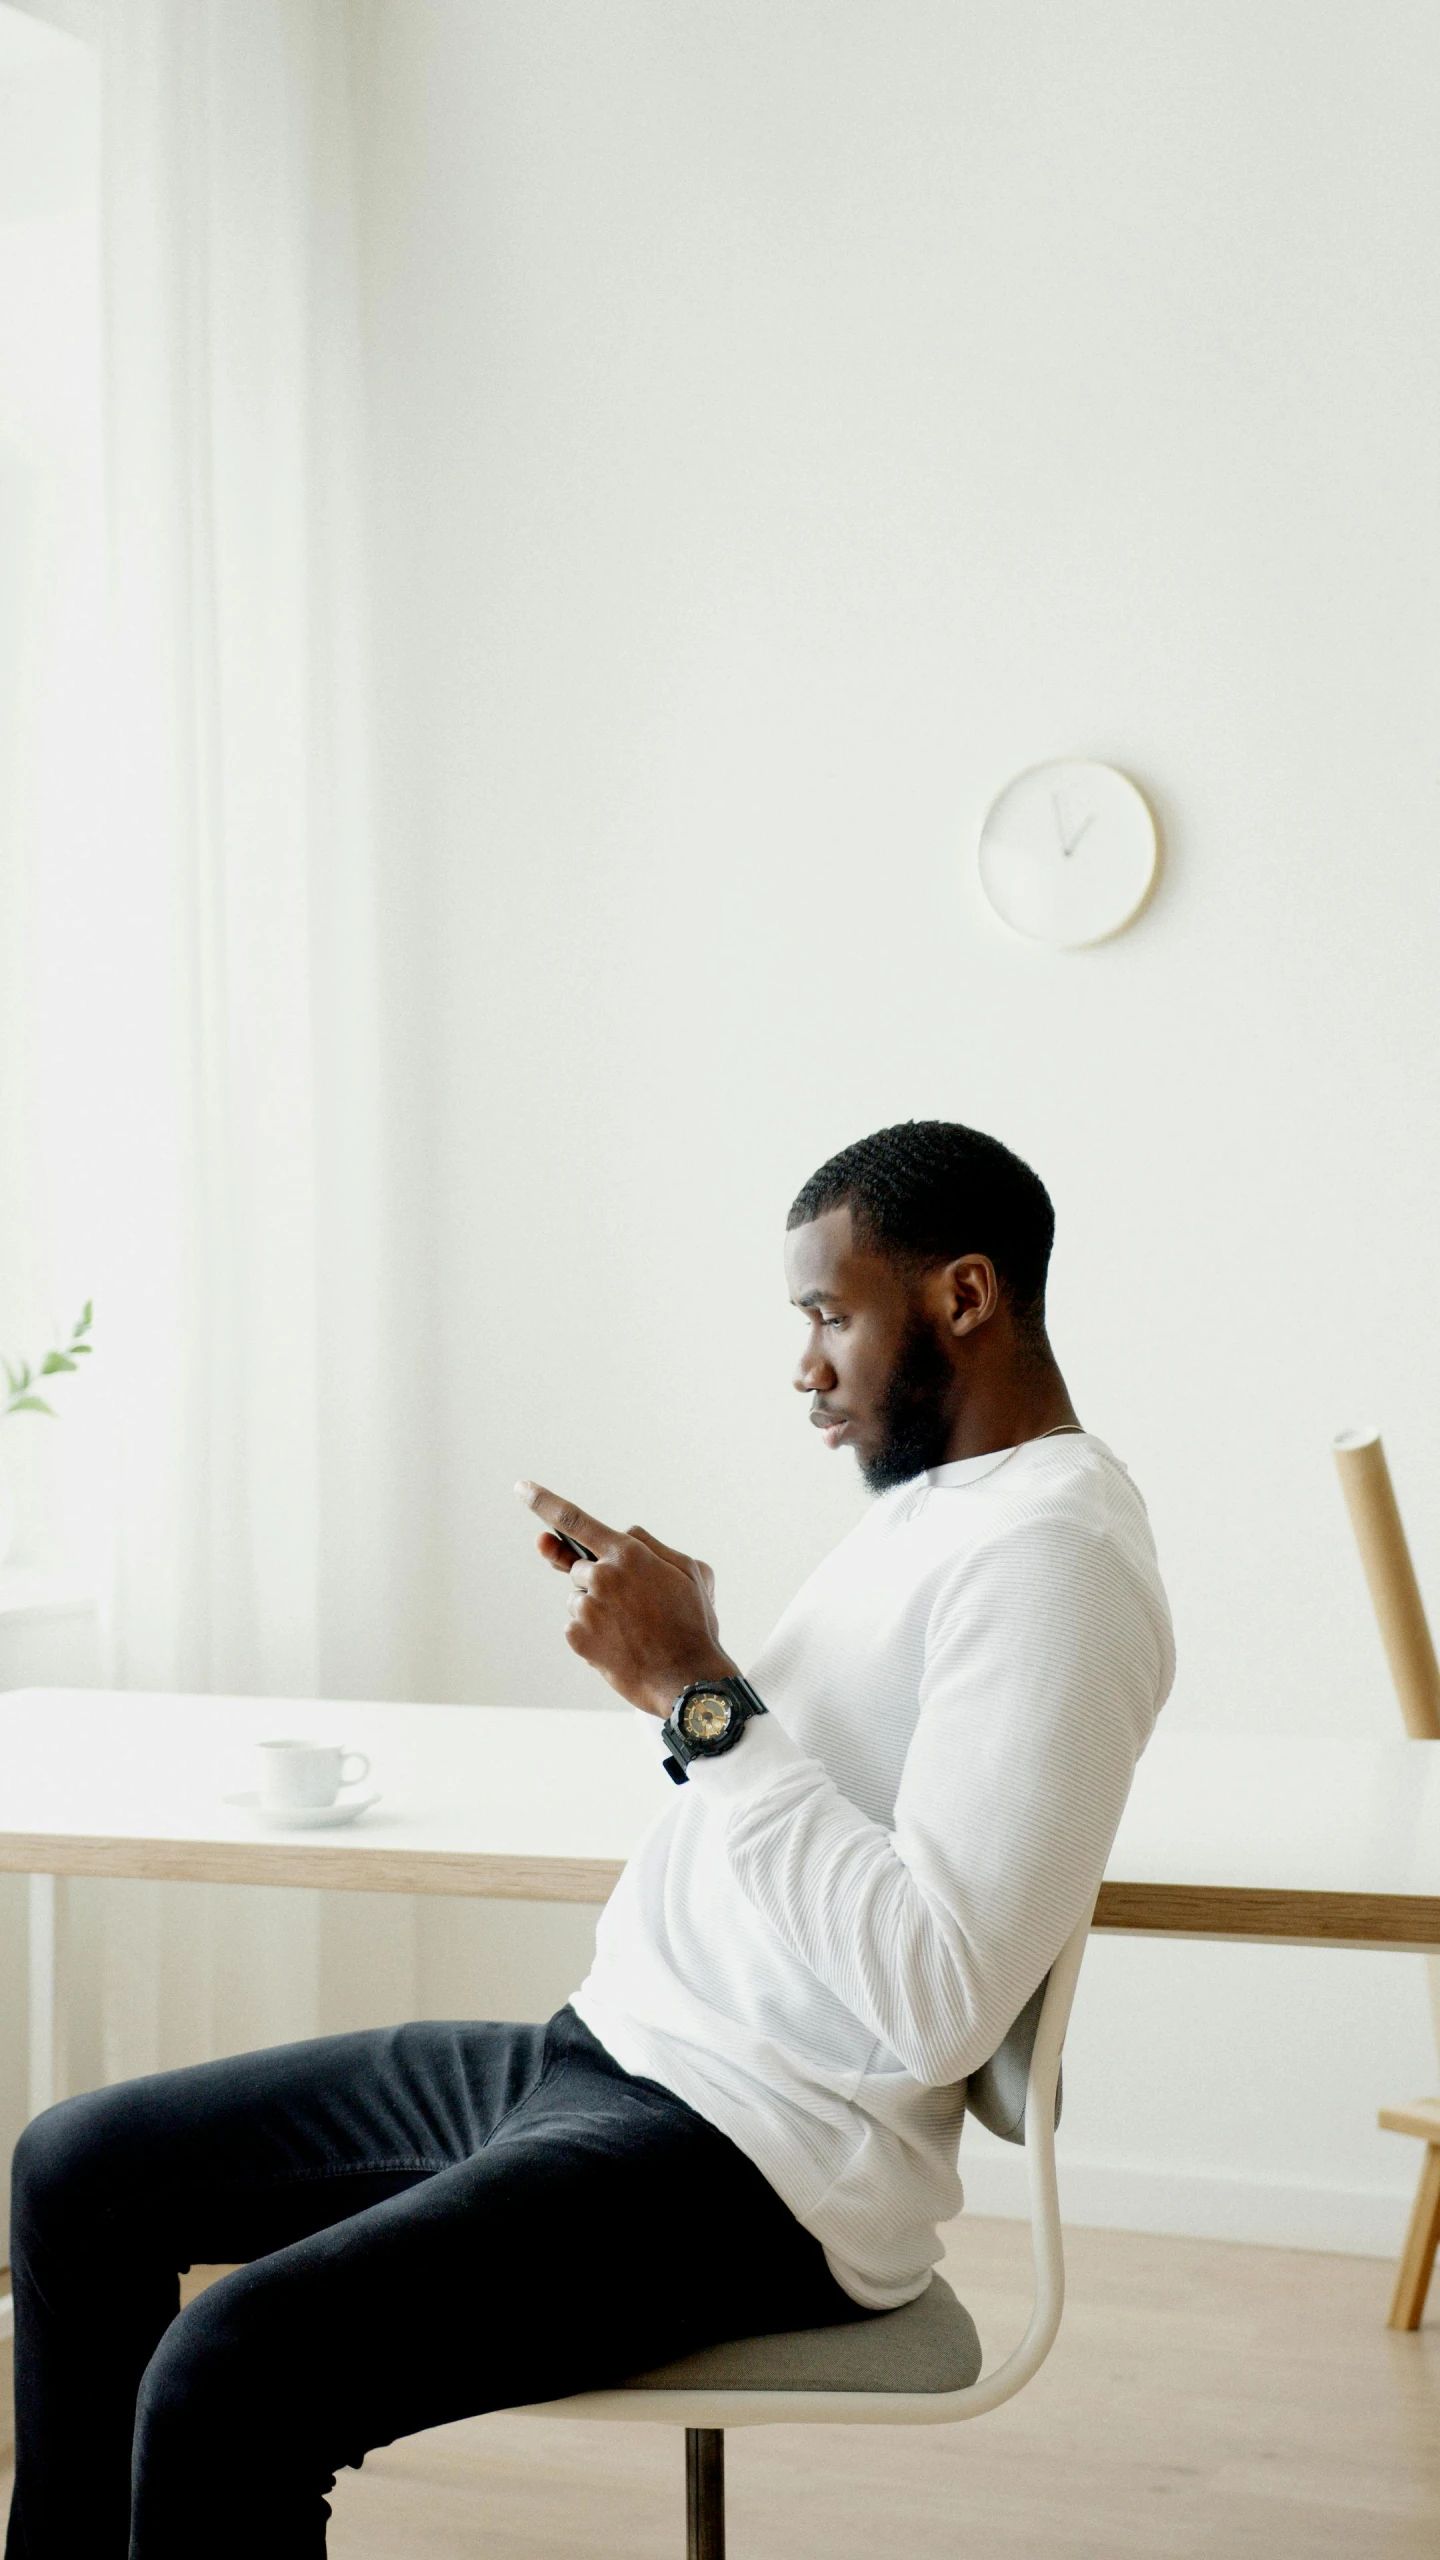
{"x": 997, "y": 2092}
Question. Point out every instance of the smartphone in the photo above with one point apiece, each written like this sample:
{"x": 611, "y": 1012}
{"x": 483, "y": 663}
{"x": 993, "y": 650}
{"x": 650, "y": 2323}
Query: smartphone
{"x": 582, "y": 1555}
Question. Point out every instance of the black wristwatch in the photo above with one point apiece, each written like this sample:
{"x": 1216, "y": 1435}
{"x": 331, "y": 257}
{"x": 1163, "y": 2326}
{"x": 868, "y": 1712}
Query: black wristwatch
{"x": 706, "y": 1719}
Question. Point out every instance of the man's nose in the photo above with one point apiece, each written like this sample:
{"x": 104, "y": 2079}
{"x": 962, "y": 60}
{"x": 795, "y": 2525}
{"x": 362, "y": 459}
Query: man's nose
{"x": 814, "y": 1375}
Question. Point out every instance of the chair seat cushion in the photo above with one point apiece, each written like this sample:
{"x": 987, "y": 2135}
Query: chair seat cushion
{"x": 928, "y": 2345}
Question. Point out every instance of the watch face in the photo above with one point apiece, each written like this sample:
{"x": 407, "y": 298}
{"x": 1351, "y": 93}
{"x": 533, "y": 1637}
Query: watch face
{"x": 706, "y": 1717}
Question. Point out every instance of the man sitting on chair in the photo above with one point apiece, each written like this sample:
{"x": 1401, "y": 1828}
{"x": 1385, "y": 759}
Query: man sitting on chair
{"x": 746, "y": 2120}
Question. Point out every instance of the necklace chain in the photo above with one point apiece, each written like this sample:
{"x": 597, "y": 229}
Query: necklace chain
{"x": 1024, "y": 1444}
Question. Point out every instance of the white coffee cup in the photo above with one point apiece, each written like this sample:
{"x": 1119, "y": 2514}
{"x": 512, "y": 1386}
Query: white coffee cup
{"x": 296, "y": 1774}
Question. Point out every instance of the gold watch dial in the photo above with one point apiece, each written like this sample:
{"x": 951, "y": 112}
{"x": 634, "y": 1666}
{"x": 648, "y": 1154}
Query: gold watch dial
{"x": 706, "y": 1717}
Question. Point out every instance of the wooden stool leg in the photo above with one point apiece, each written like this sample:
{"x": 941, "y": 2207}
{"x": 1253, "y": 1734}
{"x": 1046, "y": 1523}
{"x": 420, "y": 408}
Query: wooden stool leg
{"x": 1421, "y": 2242}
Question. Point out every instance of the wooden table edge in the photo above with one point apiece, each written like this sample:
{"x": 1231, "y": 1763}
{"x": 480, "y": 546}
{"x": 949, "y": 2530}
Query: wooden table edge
{"x": 351, "y": 1868}
{"x": 1305, "y": 1917}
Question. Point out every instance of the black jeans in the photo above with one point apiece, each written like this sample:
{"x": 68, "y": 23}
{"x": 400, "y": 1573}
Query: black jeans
{"x": 436, "y": 2220}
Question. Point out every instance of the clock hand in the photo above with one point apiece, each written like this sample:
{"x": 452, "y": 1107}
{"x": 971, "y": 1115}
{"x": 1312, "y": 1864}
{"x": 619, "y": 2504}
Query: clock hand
{"x": 1085, "y": 822}
{"x": 1059, "y": 820}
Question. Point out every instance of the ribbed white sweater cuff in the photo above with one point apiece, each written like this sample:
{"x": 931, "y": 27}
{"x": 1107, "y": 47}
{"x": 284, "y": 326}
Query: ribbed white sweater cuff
{"x": 763, "y": 1753}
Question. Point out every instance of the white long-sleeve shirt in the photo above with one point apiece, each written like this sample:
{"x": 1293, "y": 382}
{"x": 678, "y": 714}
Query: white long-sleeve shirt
{"x": 836, "y": 1921}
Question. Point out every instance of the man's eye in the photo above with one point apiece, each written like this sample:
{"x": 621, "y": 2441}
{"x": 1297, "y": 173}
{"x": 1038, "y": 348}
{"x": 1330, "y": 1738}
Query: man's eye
{"x": 829, "y": 1320}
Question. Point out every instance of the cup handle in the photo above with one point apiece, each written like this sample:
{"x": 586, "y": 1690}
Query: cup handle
{"x": 351, "y": 1777}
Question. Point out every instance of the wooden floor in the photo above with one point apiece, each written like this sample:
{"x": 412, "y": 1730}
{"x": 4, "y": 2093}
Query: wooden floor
{"x": 1225, "y": 2403}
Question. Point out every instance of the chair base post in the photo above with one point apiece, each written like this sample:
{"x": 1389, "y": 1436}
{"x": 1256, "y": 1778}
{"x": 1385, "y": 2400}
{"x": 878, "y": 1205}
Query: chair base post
{"x": 704, "y": 2493}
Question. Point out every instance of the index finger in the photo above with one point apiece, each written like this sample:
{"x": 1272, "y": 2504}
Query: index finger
{"x": 567, "y": 1519}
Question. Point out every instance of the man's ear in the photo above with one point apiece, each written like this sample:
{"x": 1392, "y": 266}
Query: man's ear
{"x": 972, "y": 1292}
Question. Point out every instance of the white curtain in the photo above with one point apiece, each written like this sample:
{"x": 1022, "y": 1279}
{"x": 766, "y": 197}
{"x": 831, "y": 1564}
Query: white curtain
{"x": 237, "y": 1175}
{"x": 249, "y": 1086}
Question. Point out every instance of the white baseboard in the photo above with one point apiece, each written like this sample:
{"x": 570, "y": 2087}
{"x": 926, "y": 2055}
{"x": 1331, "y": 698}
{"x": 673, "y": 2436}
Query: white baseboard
{"x": 1356, "y": 2222}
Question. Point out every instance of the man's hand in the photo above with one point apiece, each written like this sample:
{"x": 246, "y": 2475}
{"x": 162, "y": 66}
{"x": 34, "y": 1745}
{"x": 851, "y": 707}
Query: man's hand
{"x": 642, "y": 1614}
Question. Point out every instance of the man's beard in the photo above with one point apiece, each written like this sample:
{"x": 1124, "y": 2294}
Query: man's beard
{"x": 914, "y": 1425}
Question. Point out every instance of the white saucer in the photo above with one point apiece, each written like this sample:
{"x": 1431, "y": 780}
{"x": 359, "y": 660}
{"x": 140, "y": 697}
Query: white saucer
{"x": 303, "y": 1817}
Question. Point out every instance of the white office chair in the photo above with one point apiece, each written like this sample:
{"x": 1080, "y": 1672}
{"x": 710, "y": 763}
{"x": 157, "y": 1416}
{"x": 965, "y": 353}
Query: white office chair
{"x": 918, "y": 2366}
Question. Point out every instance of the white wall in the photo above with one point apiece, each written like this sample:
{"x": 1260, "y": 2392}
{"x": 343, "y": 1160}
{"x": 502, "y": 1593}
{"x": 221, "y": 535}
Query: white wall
{"x": 792, "y": 420}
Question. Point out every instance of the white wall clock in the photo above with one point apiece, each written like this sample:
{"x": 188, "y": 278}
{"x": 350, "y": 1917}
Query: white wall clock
{"x": 1068, "y": 854}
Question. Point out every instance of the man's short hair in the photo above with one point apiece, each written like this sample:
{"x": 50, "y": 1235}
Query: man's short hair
{"x": 927, "y": 1191}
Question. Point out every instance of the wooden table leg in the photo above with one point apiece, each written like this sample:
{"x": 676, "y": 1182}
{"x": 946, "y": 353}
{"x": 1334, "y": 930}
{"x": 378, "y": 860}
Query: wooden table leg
{"x": 47, "y": 1992}
{"x": 1421, "y": 2241}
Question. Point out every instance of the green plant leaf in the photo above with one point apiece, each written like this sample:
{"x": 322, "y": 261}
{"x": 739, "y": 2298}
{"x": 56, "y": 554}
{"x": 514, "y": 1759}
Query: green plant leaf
{"x": 87, "y": 1316}
{"x": 81, "y": 1350}
{"x": 31, "y": 1404}
{"x": 53, "y": 1361}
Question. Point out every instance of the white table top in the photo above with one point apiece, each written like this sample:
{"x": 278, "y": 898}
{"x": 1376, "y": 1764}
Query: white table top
{"x": 1232, "y": 1835}
{"x": 1297, "y": 1836}
{"x": 105, "y": 1778}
